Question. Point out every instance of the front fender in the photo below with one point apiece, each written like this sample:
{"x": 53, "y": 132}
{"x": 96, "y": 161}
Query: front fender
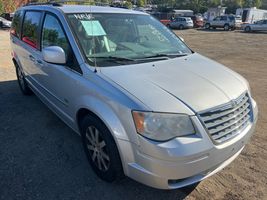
{"x": 107, "y": 114}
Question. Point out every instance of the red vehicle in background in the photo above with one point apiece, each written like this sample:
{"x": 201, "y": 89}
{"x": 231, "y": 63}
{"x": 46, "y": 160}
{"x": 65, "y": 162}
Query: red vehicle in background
{"x": 197, "y": 20}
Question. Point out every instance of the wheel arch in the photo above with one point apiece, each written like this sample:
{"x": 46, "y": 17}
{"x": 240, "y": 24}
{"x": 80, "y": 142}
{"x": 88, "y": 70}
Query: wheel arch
{"x": 120, "y": 143}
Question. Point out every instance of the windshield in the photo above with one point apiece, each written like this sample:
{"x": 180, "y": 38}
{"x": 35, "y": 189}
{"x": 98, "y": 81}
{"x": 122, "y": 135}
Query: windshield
{"x": 119, "y": 39}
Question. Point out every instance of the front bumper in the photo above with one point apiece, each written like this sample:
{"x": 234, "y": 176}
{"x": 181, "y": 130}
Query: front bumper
{"x": 184, "y": 160}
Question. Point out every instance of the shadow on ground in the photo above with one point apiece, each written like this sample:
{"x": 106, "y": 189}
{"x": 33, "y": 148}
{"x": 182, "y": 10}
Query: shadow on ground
{"x": 42, "y": 158}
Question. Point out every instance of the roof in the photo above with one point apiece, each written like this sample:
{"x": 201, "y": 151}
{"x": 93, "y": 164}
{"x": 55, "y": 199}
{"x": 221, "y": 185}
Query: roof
{"x": 95, "y": 9}
{"x": 86, "y": 9}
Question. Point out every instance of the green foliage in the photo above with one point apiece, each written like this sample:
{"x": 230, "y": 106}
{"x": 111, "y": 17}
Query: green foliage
{"x": 128, "y": 4}
{"x": 140, "y": 3}
{"x": 1, "y": 7}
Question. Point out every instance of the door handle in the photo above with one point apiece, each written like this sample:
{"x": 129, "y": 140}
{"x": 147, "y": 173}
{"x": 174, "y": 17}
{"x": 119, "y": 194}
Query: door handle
{"x": 40, "y": 63}
{"x": 32, "y": 58}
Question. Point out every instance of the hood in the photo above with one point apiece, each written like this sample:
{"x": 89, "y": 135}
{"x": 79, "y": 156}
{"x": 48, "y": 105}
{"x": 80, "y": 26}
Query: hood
{"x": 178, "y": 85}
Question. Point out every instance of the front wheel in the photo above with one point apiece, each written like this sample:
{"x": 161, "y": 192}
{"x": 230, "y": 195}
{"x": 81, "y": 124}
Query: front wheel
{"x": 207, "y": 26}
{"x": 22, "y": 82}
{"x": 101, "y": 149}
{"x": 226, "y": 27}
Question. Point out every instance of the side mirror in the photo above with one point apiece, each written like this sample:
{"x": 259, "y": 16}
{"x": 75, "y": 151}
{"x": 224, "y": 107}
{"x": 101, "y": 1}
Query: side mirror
{"x": 54, "y": 54}
{"x": 182, "y": 39}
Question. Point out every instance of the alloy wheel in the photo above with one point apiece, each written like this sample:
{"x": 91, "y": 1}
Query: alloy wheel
{"x": 96, "y": 147}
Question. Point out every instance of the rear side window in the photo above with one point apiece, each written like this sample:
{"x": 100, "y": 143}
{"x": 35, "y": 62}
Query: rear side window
{"x": 15, "y": 28}
{"x": 30, "y": 28}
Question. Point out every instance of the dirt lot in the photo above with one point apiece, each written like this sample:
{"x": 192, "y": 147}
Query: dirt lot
{"x": 41, "y": 158}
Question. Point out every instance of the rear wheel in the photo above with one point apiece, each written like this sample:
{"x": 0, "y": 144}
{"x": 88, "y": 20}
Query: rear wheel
{"x": 101, "y": 149}
{"x": 22, "y": 82}
{"x": 247, "y": 29}
{"x": 181, "y": 27}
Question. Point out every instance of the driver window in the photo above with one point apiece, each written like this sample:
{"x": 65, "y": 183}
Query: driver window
{"x": 53, "y": 35}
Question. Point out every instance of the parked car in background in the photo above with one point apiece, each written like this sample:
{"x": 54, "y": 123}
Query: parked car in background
{"x": 227, "y": 22}
{"x": 198, "y": 21}
{"x": 181, "y": 23}
{"x": 146, "y": 105}
{"x": 7, "y": 16}
{"x": 260, "y": 25}
{"x": 4, "y": 23}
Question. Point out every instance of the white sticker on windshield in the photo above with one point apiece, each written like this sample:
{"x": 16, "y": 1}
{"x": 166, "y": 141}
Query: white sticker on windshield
{"x": 83, "y": 16}
{"x": 93, "y": 28}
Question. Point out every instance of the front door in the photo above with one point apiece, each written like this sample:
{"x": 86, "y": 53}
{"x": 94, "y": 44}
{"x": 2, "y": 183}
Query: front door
{"x": 60, "y": 83}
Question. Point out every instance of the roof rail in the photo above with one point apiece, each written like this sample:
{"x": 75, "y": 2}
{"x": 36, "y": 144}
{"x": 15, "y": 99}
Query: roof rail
{"x": 49, "y": 2}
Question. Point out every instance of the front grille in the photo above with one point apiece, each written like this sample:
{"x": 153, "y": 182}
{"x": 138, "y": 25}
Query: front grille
{"x": 227, "y": 121}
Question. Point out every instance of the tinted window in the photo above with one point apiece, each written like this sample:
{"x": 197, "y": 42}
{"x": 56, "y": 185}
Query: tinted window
{"x": 223, "y": 18}
{"x": 53, "y": 35}
{"x": 15, "y": 29}
{"x": 30, "y": 28}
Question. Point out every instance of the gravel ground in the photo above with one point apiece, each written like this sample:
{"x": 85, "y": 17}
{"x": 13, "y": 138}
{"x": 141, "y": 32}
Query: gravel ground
{"x": 41, "y": 158}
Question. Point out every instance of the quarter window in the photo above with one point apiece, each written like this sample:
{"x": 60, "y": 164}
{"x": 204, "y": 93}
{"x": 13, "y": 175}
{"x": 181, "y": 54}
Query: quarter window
{"x": 15, "y": 29}
{"x": 30, "y": 28}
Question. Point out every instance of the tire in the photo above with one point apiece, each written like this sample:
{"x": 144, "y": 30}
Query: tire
{"x": 23, "y": 85}
{"x": 247, "y": 29}
{"x": 207, "y": 26}
{"x": 169, "y": 26}
{"x": 100, "y": 149}
{"x": 181, "y": 27}
{"x": 226, "y": 27}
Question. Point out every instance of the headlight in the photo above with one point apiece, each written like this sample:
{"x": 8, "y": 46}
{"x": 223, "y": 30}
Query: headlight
{"x": 162, "y": 126}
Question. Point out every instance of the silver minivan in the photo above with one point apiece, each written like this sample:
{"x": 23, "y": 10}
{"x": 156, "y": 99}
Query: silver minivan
{"x": 146, "y": 105}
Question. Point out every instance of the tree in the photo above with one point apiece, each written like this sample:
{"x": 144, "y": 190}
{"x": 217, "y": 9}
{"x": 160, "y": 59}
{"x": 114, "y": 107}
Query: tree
{"x": 140, "y": 3}
{"x": 1, "y": 7}
{"x": 128, "y": 4}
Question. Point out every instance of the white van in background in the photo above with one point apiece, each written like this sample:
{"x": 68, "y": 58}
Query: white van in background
{"x": 250, "y": 15}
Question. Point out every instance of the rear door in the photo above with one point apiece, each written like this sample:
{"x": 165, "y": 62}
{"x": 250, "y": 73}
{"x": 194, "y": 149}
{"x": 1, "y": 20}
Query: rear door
{"x": 30, "y": 45}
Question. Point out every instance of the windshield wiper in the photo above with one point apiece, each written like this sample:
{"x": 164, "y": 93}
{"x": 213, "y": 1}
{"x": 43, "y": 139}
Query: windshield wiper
{"x": 166, "y": 55}
{"x": 115, "y": 58}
